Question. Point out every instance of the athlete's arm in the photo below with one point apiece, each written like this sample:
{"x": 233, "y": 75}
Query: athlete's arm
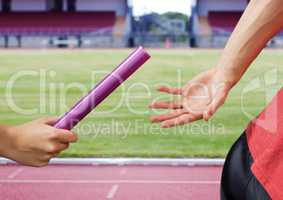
{"x": 34, "y": 143}
{"x": 259, "y": 23}
{"x": 205, "y": 93}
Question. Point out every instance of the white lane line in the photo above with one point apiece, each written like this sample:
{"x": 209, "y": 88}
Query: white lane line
{"x": 133, "y": 161}
{"x": 112, "y": 192}
{"x": 15, "y": 173}
{"x": 110, "y": 181}
{"x": 123, "y": 171}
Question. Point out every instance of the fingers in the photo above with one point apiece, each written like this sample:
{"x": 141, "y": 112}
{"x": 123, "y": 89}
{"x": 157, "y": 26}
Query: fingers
{"x": 58, "y": 147}
{"x": 181, "y": 120}
{"x": 167, "y": 116}
{"x": 64, "y": 136}
{"x": 61, "y": 147}
{"x": 170, "y": 90}
{"x": 55, "y": 148}
{"x": 51, "y": 151}
{"x": 166, "y": 105}
{"x": 47, "y": 120}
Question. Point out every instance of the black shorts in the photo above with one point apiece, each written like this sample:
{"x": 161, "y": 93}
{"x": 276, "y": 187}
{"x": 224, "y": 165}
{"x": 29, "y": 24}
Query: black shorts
{"x": 238, "y": 182}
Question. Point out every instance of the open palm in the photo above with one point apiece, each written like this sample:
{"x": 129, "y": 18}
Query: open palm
{"x": 201, "y": 97}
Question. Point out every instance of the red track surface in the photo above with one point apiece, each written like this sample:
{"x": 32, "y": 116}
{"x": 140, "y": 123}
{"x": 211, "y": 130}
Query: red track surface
{"x": 109, "y": 182}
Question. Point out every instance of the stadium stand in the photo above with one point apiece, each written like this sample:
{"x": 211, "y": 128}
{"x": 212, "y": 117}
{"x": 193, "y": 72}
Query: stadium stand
{"x": 212, "y": 21}
{"x": 65, "y": 23}
{"x": 223, "y": 22}
{"x": 59, "y": 23}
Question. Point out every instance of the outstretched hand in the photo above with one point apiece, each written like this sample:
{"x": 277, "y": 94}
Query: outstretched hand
{"x": 200, "y": 99}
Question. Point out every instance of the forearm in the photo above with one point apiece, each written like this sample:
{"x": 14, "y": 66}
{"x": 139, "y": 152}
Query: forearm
{"x": 260, "y": 22}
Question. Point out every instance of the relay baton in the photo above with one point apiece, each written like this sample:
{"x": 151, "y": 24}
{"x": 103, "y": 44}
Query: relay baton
{"x": 103, "y": 89}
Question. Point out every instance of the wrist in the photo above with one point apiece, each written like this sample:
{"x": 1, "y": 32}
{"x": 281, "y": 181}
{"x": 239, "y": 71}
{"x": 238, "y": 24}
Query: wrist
{"x": 227, "y": 76}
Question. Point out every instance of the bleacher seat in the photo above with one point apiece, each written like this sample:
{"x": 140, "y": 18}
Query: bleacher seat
{"x": 51, "y": 23}
{"x": 222, "y": 22}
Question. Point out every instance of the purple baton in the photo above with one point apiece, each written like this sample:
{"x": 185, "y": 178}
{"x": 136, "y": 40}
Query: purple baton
{"x": 103, "y": 89}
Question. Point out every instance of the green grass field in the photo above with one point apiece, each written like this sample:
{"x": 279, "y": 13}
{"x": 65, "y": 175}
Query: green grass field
{"x": 124, "y": 130}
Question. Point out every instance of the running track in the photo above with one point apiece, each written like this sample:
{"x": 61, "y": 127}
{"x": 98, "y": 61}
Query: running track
{"x": 86, "y": 182}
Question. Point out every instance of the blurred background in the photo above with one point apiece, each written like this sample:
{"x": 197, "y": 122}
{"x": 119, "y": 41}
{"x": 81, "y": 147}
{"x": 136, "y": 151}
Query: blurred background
{"x": 119, "y": 23}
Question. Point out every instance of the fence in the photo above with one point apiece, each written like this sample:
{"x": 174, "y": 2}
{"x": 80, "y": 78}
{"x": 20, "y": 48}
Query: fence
{"x": 64, "y": 41}
{"x": 219, "y": 41}
{"x": 121, "y": 41}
